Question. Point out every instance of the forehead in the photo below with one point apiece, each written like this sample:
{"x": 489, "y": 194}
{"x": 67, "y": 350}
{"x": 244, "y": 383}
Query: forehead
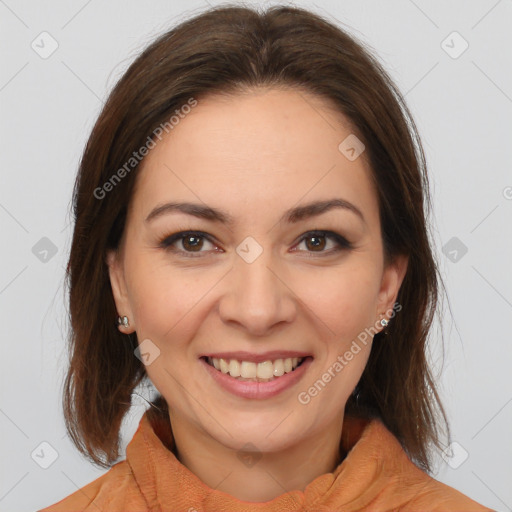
{"x": 268, "y": 148}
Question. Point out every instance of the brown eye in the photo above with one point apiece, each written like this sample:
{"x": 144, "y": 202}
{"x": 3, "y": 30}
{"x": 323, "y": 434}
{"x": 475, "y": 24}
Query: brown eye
{"x": 316, "y": 242}
{"x": 191, "y": 242}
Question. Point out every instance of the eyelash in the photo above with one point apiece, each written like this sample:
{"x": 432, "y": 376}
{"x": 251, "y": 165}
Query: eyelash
{"x": 343, "y": 243}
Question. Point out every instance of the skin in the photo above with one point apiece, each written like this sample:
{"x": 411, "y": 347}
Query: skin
{"x": 254, "y": 155}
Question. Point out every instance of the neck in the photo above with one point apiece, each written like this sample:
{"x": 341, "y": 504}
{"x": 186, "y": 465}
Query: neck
{"x": 255, "y": 476}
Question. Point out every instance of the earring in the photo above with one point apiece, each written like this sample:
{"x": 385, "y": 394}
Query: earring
{"x": 384, "y": 322}
{"x": 123, "y": 321}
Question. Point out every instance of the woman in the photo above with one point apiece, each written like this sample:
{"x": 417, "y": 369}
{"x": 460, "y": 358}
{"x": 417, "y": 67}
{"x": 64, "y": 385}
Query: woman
{"x": 251, "y": 237}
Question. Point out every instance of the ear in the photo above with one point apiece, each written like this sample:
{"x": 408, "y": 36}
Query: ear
{"x": 119, "y": 291}
{"x": 392, "y": 279}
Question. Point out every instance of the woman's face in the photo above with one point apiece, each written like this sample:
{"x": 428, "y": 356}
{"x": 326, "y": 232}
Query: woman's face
{"x": 255, "y": 285}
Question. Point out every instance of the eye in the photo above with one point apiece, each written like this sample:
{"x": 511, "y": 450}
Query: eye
{"x": 318, "y": 239}
{"x": 191, "y": 242}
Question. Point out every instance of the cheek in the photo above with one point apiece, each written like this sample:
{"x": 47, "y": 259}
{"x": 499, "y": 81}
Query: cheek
{"x": 167, "y": 300}
{"x": 158, "y": 297}
{"x": 343, "y": 298}
{"x": 164, "y": 303}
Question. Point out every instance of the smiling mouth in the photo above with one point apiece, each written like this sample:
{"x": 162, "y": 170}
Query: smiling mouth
{"x": 249, "y": 371}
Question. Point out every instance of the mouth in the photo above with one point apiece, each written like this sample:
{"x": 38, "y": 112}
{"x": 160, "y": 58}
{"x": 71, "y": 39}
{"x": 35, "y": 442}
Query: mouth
{"x": 251, "y": 371}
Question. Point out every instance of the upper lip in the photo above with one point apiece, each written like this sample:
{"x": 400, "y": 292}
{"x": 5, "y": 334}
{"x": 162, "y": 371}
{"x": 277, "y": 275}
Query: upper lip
{"x": 257, "y": 358}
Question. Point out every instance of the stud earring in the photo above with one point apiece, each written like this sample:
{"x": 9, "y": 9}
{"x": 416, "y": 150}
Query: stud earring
{"x": 384, "y": 322}
{"x": 123, "y": 321}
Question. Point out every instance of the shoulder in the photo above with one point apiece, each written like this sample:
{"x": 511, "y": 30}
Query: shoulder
{"x": 423, "y": 492}
{"x": 392, "y": 481}
{"x": 432, "y": 495}
{"x": 113, "y": 491}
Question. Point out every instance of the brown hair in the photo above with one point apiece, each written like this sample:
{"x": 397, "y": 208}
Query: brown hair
{"x": 228, "y": 50}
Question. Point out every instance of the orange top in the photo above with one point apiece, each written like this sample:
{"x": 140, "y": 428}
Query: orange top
{"x": 376, "y": 475}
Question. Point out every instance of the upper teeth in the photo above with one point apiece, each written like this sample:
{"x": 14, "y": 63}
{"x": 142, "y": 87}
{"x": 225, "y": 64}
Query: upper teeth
{"x": 248, "y": 369}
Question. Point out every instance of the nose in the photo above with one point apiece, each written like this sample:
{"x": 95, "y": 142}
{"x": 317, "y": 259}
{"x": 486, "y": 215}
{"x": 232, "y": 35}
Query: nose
{"x": 258, "y": 296}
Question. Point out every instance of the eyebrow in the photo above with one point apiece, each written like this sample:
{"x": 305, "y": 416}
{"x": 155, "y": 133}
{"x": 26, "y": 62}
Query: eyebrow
{"x": 291, "y": 216}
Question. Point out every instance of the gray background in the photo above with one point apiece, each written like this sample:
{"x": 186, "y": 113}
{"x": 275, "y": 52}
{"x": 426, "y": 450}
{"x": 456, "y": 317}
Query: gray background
{"x": 462, "y": 102}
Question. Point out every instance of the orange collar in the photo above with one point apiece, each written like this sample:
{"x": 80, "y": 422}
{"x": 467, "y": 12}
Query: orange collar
{"x": 373, "y": 459}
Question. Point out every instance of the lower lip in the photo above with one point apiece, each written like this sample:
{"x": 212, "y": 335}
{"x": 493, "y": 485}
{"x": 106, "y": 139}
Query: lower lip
{"x": 258, "y": 390}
